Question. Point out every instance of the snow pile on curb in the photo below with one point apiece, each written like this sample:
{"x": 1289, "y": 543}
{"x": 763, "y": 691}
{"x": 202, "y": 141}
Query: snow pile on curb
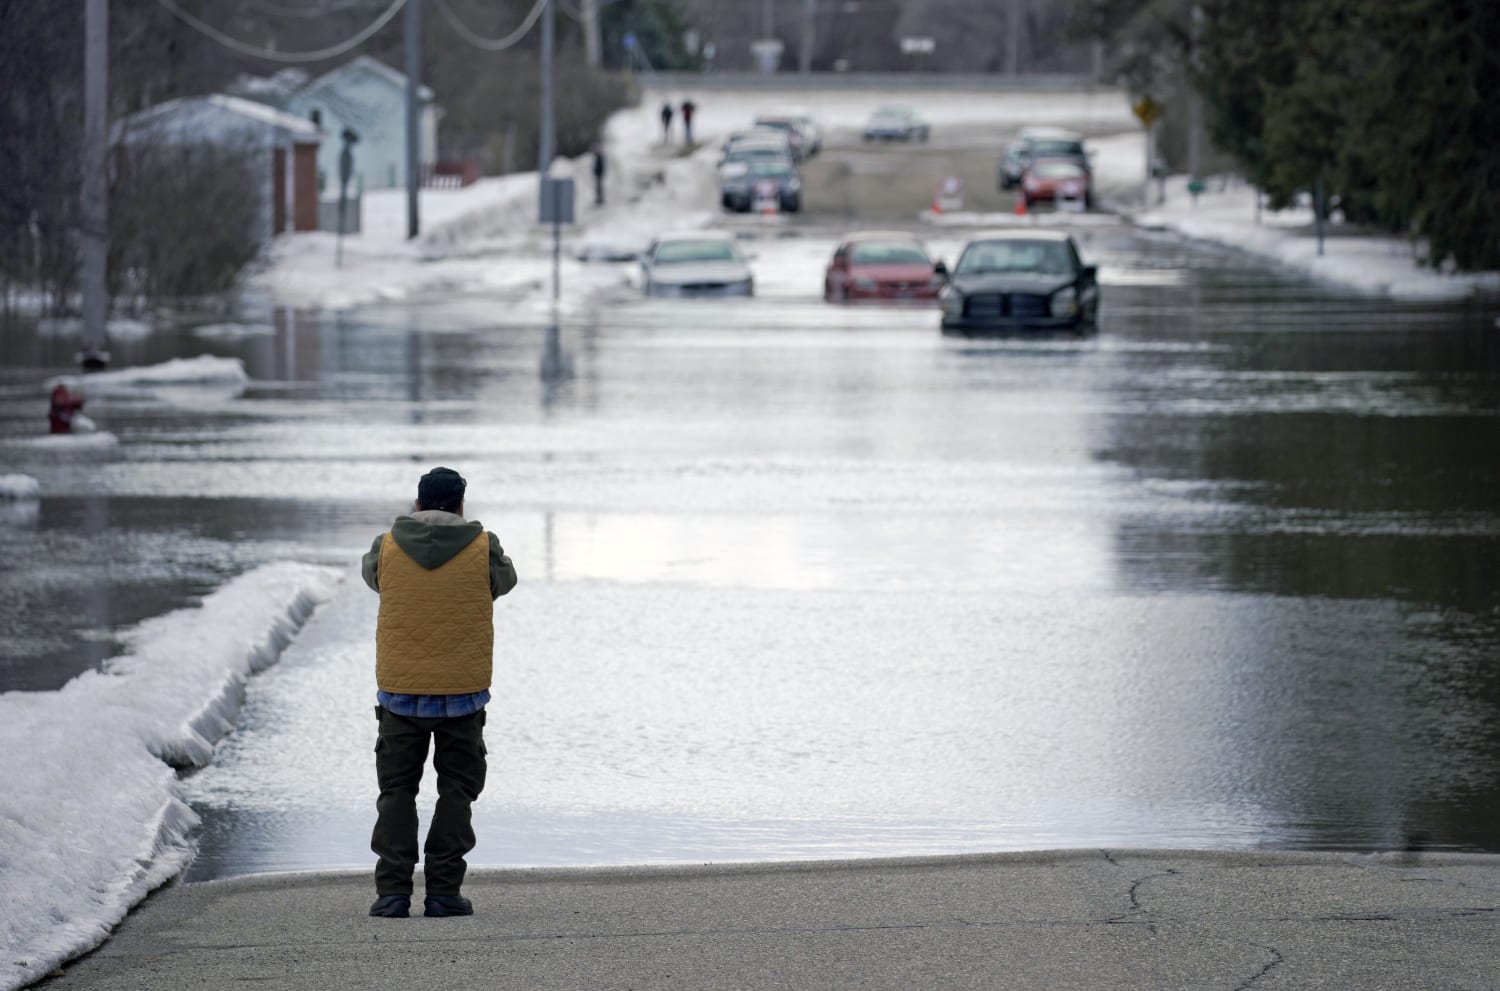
{"x": 18, "y": 487}
{"x": 84, "y": 840}
{"x": 1374, "y": 263}
{"x": 204, "y": 369}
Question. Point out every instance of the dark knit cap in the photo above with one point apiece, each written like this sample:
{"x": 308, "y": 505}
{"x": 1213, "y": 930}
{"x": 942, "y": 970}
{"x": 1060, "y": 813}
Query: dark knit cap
{"x": 441, "y": 488}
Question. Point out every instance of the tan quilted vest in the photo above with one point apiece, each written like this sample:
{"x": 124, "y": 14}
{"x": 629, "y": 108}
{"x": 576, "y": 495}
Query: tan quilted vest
{"x": 435, "y": 634}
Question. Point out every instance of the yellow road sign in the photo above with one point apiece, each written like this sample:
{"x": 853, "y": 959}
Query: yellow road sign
{"x": 1146, "y": 110}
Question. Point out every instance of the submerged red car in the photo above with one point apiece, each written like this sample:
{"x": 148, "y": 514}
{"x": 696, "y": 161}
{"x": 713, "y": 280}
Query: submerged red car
{"x": 1056, "y": 180}
{"x": 882, "y": 265}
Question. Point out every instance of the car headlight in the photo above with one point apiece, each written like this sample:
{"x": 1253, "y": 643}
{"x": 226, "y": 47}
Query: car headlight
{"x": 1065, "y": 302}
{"x": 793, "y": 186}
{"x": 951, "y": 302}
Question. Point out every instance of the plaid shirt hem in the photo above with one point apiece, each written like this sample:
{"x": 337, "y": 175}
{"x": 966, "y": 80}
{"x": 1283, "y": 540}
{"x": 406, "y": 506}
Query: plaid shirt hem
{"x": 433, "y": 706}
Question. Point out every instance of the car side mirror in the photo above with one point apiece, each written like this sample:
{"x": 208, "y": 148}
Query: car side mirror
{"x": 1089, "y": 273}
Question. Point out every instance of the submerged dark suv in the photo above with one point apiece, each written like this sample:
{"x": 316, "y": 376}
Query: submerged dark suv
{"x": 1037, "y": 144}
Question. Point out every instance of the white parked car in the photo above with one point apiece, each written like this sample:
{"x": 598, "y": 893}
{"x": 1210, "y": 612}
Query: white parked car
{"x": 696, "y": 263}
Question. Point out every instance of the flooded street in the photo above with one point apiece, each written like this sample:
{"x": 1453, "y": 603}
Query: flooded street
{"x": 800, "y": 580}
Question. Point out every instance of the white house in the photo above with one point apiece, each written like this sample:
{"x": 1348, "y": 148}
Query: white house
{"x": 369, "y": 97}
{"x": 285, "y": 144}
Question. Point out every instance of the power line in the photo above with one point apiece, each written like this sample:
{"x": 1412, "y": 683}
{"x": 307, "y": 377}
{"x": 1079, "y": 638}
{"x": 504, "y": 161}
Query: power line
{"x": 492, "y": 44}
{"x": 270, "y": 54}
{"x": 323, "y": 9}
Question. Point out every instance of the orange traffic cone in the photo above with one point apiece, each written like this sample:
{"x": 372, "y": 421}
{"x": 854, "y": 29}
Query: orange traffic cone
{"x": 937, "y": 200}
{"x": 1020, "y": 204}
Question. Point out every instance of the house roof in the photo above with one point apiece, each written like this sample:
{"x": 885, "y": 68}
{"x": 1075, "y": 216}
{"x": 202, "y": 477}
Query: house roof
{"x": 365, "y": 63}
{"x": 220, "y": 116}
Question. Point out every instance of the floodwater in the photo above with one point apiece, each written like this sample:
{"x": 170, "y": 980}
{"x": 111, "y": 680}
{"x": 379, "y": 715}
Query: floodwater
{"x": 806, "y": 581}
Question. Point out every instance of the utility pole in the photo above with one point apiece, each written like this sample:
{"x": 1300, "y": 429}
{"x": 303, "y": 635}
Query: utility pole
{"x": 809, "y": 23}
{"x": 1013, "y": 38}
{"x": 95, "y": 193}
{"x": 592, "y": 44}
{"x": 413, "y": 114}
{"x": 547, "y": 138}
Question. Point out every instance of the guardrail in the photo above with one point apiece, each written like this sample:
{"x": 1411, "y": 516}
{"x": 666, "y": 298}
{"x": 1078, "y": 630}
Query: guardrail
{"x": 1041, "y": 83}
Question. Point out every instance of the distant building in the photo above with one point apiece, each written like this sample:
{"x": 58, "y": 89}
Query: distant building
{"x": 369, "y": 97}
{"x": 285, "y": 144}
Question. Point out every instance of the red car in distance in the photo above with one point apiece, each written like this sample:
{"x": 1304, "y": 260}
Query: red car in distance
{"x": 1057, "y": 180}
{"x": 882, "y": 265}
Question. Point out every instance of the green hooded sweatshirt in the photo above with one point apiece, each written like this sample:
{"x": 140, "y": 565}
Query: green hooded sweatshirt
{"x": 431, "y": 537}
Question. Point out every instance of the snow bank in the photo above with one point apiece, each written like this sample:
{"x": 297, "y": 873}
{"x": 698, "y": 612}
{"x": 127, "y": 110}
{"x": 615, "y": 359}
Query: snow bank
{"x": 83, "y": 840}
{"x": 205, "y": 368}
{"x": 16, "y": 487}
{"x": 1374, "y": 263}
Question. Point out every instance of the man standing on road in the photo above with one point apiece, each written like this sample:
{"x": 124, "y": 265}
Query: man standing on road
{"x": 599, "y": 166}
{"x": 666, "y": 122}
{"x": 438, "y": 575}
{"x": 688, "y": 109}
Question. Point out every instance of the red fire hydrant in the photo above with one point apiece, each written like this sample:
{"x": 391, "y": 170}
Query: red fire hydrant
{"x": 64, "y": 405}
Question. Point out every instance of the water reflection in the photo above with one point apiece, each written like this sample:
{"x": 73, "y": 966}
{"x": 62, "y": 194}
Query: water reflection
{"x": 803, "y": 580}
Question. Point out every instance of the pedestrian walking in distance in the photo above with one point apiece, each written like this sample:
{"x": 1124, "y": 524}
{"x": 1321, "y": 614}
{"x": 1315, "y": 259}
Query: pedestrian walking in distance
{"x": 688, "y": 109}
{"x": 666, "y": 122}
{"x": 599, "y": 165}
{"x": 438, "y": 576}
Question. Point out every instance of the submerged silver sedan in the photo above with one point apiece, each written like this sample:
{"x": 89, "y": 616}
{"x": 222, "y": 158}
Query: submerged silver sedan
{"x": 696, "y": 263}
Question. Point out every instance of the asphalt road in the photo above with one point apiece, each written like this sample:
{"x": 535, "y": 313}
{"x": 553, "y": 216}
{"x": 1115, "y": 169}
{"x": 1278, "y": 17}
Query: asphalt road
{"x": 1128, "y": 921}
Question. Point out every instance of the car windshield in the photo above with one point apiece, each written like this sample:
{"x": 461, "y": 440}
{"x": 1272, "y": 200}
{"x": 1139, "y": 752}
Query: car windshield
{"x": 754, "y": 152}
{"x": 1042, "y": 149}
{"x": 1039, "y": 257}
{"x": 892, "y": 113}
{"x": 778, "y": 125}
{"x": 773, "y": 168}
{"x": 887, "y": 253}
{"x": 679, "y": 252}
{"x": 1057, "y": 170}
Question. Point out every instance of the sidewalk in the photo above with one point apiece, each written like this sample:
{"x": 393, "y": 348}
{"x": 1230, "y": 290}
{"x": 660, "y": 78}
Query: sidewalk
{"x": 1084, "y": 919}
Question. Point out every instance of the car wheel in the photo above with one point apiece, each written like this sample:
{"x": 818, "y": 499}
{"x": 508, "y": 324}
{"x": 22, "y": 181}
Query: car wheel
{"x": 792, "y": 204}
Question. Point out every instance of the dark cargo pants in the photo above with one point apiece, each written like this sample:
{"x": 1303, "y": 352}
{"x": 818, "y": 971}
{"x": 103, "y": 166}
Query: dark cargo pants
{"x": 459, "y": 759}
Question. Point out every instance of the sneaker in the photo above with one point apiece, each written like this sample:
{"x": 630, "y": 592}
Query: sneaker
{"x": 441, "y": 905}
{"x": 392, "y": 907}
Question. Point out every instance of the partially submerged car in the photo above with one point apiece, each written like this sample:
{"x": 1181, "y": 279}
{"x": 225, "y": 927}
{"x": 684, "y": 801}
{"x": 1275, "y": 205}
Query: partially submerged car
{"x": 696, "y": 263}
{"x": 771, "y": 180}
{"x": 882, "y": 265}
{"x": 1058, "y": 181}
{"x": 754, "y": 146}
{"x": 896, "y": 124}
{"x": 792, "y": 128}
{"x": 1035, "y": 143}
{"x": 1023, "y": 281}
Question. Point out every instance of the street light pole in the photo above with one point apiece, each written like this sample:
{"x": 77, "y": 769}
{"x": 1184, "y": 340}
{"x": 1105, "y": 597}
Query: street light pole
{"x": 809, "y": 21}
{"x": 95, "y": 191}
{"x": 592, "y": 44}
{"x": 547, "y": 137}
{"x": 413, "y": 114}
{"x": 1013, "y": 39}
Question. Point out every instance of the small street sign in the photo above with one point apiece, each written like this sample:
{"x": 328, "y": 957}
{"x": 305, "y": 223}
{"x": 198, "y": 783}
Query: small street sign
{"x": 1147, "y": 110}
